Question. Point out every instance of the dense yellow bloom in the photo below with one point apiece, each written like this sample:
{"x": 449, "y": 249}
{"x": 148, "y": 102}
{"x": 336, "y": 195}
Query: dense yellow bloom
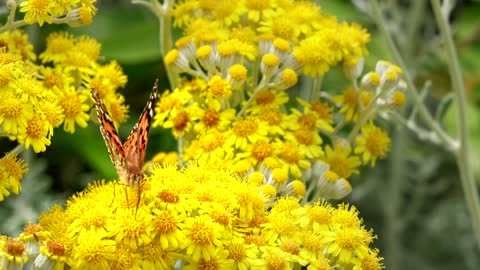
{"x": 185, "y": 215}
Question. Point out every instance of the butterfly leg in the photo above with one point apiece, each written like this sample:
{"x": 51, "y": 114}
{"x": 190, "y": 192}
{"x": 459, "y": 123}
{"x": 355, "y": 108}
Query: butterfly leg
{"x": 114, "y": 185}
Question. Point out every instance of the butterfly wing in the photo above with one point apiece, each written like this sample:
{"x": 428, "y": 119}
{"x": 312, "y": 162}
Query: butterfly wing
{"x": 136, "y": 144}
{"x": 111, "y": 138}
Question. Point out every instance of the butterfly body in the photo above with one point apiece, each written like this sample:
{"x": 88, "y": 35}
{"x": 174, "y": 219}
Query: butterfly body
{"x": 127, "y": 157}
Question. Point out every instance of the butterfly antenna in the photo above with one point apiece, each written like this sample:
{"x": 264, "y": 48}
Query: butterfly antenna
{"x": 138, "y": 200}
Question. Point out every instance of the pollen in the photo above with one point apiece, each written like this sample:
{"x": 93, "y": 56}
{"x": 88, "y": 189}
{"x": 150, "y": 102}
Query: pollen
{"x": 203, "y": 52}
{"x": 181, "y": 120}
{"x": 280, "y": 175}
{"x": 245, "y": 127}
{"x": 320, "y": 213}
{"x": 275, "y": 261}
{"x": 59, "y": 42}
{"x": 322, "y": 109}
{"x": 32, "y": 229}
{"x": 202, "y": 233}
{"x": 290, "y": 153}
{"x": 238, "y": 72}
{"x": 272, "y": 116}
{"x": 283, "y": 27}
{"x": 211, "y": 117}
{"x": 165, "y": 223}
{"x": 348, "y": 239}
{"x": 211, "y": 264}
{"x": 15, "y": 248}
{"x": 219, "y": 87}
{"x": 265, "y": 97}
{"x": 312, "y": 242}
{"x": 257, "y": 4}
{"x": 152, "y": 252}
{"x": 304, "y": 136}
{"x": 36, "y": 127}
{"x": 237, "y": 252}
{"x": 13, "y": 166}
{"x": 221, "y": 216}
{"x": 257, "y": 240}
{"x": 308, "y": 121}
{"x": 211, "y": 141}
{"x": 72, "y": 105}
{"x": 398, "y": 98}
{"x": 85, "y": 15}
{"x": 168, "y": 196}
{"x": 290, "y": 246}
{"x": 171, "y": 57}
{"x": 261, "y": 150}
{"x": 53, "y": 79}
{"x": 378, "y": 142}
{"x": 289, "y": 77}
{"x": 11, "y": 107}
{"x": 55, "y": 247}
{"x": 270, "y": 59}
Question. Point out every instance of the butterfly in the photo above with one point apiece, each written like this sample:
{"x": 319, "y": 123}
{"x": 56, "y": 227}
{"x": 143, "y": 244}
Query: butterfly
{"x": 127, "y": 157}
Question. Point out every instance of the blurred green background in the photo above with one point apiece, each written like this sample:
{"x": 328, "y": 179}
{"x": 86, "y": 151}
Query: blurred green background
{"x": 413, "y": 200}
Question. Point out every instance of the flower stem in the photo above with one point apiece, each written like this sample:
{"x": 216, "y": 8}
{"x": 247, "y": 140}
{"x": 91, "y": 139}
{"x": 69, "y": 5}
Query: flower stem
{"x": 462, "y": 152}
{"x": 422, "y": 109}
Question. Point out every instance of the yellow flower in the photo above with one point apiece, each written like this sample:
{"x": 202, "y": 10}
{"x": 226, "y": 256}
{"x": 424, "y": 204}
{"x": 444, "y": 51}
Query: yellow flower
{"x": 256, "y": 9}
{"x": 58, "y": 44}
{"x": 212, "y": 116}
{"x": 12, "y": 169}
{"x": 74, "y": 107}
{"x": 372, "y": 144}
{"x": 344, "y": 244}
{"x": 13, "y": 254}
{"x": 314, "y": 55}
{"x": 340, "y": 160}
{"x": 244, "y": 256}
{"x": 291, "y": 158}
{"x": 244, "y": 131}
{"x": 36, "y": 134}
{"x": 14, "y": 112}
{"x": 37, "y": 11}
{"x": 52, "y": 254}
{"x": 349, "y": 102}
{"x": 203, "y": 237}
{"x": 228, "y": 11}
{"x": 93, "y": 251}
{"x": 132, "y": 232}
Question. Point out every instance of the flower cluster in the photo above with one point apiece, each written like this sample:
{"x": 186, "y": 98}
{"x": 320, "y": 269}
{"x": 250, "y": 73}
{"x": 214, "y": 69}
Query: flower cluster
{"x": 242, "y": 58}
{"x": 36, "y": 98}
{"x": 185, "y": 219}
{"x": 72, "y": 12}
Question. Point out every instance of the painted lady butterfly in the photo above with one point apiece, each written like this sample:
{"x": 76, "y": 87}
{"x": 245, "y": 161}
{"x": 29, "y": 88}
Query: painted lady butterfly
{"x": 128, "y": 157}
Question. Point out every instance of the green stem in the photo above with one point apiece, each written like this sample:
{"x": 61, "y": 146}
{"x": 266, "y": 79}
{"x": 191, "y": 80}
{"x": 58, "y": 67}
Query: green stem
{"x": 462, "y": 152}
{"x": 166, "y": 45}
{"x": 18, "y": 149}
{"x": 422, "y": 109}
{"x": 316, "y": 88}
{"x": 180, "y": 149}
